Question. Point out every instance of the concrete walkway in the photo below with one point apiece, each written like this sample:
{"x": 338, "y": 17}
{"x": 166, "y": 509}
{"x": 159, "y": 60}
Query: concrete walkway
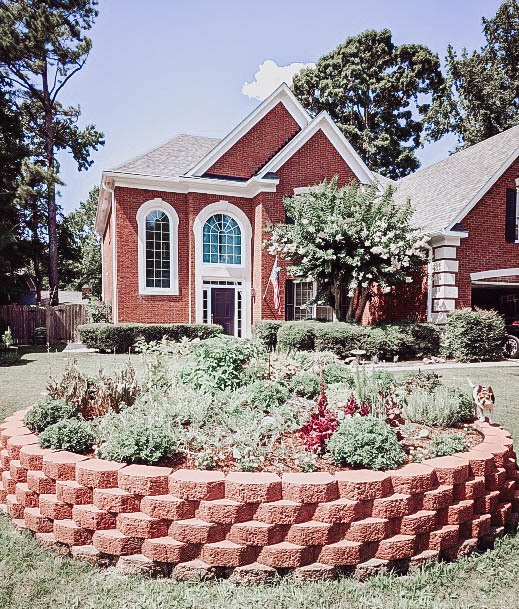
{"x": 78, "y": 348}
{"x": 410, "y": 366}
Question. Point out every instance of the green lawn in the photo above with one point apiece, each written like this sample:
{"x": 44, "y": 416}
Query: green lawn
{"x": 32, "y": 578}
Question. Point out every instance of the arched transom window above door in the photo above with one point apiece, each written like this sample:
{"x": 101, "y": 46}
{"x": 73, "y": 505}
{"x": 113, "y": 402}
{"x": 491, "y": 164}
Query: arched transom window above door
{"x": 222, "y": 240}
{"x": 158, "y": 251}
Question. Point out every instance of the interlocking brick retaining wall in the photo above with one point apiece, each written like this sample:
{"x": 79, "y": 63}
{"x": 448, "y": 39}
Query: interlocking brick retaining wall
{"x": 252, "y": 526}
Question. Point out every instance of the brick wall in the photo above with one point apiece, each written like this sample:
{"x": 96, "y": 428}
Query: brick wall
{"x": 485, "y": 248}
{"x": 313, "y": 524}
{"x": 258, "y": 145}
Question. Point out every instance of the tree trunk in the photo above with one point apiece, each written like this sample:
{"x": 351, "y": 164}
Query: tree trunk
{"x": 337, "y": 302}
{"x": 35, "y": 246}
{"x": 363, "y": 301}
{"x": 52, "y": 211}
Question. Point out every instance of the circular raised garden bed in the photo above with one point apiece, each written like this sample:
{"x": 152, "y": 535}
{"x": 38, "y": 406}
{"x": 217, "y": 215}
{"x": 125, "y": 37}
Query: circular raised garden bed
{"x": 252, "y": 526}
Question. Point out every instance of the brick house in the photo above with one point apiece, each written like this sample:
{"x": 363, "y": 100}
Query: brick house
{"x": 182, "y": 226}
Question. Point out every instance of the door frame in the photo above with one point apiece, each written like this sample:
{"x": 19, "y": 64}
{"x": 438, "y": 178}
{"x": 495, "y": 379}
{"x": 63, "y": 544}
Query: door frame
{"x": 207, "y": 291}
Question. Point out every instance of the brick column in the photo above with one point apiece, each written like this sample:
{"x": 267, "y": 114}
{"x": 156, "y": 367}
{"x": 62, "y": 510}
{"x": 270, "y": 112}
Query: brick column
{"x": 444, "y": 277}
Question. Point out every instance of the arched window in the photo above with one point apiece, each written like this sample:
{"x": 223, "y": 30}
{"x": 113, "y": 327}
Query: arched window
{"x": 221, "y": 240}
{"x": 157, "y": 223}
{"x": 158, "y": 250}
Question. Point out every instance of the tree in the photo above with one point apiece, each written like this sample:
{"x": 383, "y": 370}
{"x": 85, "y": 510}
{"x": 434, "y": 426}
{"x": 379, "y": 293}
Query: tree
{"x": 480, "y": 97}
{"x": 347, "y": 240}
{"x": 12, "y": 151}
{"x": 376, "y": 92}
{"x": 42, "y": 46}
{"x": 81, "y": 226}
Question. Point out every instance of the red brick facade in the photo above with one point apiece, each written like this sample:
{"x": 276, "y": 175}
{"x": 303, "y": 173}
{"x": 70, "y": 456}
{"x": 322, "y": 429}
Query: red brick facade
{"x": 317, "y": 158}
{"x": 486, "y": 249}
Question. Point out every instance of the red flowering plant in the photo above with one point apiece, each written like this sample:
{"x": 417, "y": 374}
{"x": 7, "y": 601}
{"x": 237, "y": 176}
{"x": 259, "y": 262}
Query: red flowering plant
{"x": 355, "y": 408}
{"x": 321, "y": 425}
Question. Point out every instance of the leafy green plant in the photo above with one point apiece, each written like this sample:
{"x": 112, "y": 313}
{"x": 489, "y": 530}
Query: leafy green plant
{"x": 443, "y": 407}
{"x": 47, "y": 412}
{"x": 474, "y": 336}
{"x": 264, "y": 395}
{"x": 428, "y": 381}
{"x": 140, "y": 438}
{"x": 443, "y": 446}
{"x": 7, "y": 338}
{"x": 76, "y": 435}
{"x": 98, "y": 311}
{"x": 365, "y": 442}
{"x": 306, "y": 384}
{"x": 217, "y": 364}
{"x": 337, "y": 373}
{"x": 340, "y": 337}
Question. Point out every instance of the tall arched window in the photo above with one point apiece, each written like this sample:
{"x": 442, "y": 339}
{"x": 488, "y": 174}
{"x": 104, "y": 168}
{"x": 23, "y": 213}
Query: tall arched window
{"x": 158, "y": 250}
{"x": 221, "y": 240}
{"x": 157, "y": 223}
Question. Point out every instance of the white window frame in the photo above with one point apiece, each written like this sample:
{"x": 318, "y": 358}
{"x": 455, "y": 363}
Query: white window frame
{"x": 142, "y": 213}
{"x": 312, "y": 308}
{"x": 239, "y": 225}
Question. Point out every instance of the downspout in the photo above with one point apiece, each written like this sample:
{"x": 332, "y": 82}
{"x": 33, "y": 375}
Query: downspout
{"x": 115, "y": 313}
{"x": 429, "y": 283}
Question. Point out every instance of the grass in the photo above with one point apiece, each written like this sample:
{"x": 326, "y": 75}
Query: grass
{"x": 33, "y": 578}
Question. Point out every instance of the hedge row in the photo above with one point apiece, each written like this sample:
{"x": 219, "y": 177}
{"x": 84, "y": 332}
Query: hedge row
{"x": 119, "y": 338}
{"x": 386, "y": 341}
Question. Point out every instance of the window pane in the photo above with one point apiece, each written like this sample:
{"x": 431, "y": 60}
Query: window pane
{"x": 158, "y": 250}
{"x": 221, "y": 240}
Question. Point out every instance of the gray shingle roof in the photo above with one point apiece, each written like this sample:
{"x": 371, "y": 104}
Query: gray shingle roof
{"x": 441, "y": 192}
{"x": 171, "y": 159}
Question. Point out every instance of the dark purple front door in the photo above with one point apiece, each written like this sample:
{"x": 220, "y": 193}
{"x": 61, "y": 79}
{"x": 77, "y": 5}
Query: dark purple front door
{"x": 222, "y": 308}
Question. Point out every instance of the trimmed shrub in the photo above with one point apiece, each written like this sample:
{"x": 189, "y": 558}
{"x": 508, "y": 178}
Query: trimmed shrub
{"x": 48, "y": 412}
{"x": 264, "y": 395}
{"x": 337, "y": 373}
{"x": 76, "y": 435}
{"x": 443, "y": 407}
{"x": 306, "y": 384}
{"x": 120, "y": 338}
{"x": 339, "y": 337}
{"x": 365, "y": 442}
{"x": 443, "y": 446}
{"x": 474, "y": 336}
{"x": 266, "y": 332}
{"x": 298, "y": 335}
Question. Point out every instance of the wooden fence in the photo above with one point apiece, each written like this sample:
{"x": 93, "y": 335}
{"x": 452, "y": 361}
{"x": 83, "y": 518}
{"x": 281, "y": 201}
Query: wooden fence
{"x": 61, "y": 321}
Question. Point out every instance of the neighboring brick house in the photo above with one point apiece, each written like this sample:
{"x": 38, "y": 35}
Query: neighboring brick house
{"x": 183, "y": 225}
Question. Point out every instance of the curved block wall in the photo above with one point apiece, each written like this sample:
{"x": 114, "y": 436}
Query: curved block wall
{"x": 250, "y": 525}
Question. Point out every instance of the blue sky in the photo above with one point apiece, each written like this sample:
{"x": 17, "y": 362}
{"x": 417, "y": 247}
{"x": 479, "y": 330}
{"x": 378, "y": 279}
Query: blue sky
{"x": 163, "y": 67}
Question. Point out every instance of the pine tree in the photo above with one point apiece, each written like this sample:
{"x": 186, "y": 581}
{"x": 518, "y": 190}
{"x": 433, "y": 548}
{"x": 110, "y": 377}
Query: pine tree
{"x": 42, "y": 46}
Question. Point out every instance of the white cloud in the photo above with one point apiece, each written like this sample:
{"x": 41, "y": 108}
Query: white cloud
{"x": 270, "y": 76}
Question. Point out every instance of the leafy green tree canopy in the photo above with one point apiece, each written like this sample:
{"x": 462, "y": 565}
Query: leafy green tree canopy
{"x": 378, "y": 95}
{"x": 347, "y": 240}
{"x": 481, "y": 93}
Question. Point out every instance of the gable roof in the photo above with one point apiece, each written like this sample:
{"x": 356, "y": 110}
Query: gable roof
{"x": 282, "y": 95}
{"x": 171, "y": 159}
{"x": 445, "y": 192}
{"x": 322, "y": 122}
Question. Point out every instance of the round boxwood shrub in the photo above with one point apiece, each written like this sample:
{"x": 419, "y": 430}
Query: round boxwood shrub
{"x": 306, "y": 384}
{"x": 474, "y": 336}
{"x": 365, "y": 442}
{"x": 76, "y": 435}
{"x": 339, "y": 337}
{"x": 47, "y": 412}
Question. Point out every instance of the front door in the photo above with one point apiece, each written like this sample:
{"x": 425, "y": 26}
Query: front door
{"x": 222, "y": 308}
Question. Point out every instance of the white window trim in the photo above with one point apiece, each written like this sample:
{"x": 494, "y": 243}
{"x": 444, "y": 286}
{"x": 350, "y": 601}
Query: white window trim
{"x": 313, "y": 307}
{"x": 242, "y": 263}
{"x": 233, "y": 272}
{"x": 144, "y": 210}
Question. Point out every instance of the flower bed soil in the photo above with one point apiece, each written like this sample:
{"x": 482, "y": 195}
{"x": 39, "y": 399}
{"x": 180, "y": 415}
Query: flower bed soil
{"x": 254, "y": 526}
